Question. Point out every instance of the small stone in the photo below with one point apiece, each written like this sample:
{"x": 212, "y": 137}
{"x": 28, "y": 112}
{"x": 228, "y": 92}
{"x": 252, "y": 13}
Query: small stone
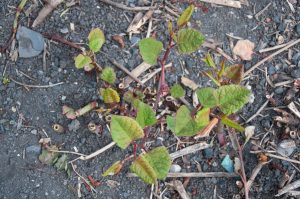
{"x": 34, "y": 132}
{"x": 36, "y": 149}
{"x": 64, "y": 30}
{"x": 208, "y": 153}
{"x": 266, "y": 123}
{"x": 134, "y": 40}
{"x": 74, "y": 125}
{"x": 175, "y": 168}
{"x": 296, "y": 73}
{"x": 31, "y": 43}
{"x": 279, "y": 90}
{"x": 271, "y": 70}
{"x": 296, "y": 58}
{"x": 227, "y": 164}
{"x": 297, "y": 28}
{"x": 286, "y": 147}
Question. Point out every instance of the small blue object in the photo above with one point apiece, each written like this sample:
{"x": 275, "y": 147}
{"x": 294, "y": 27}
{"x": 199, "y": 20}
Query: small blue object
{"x": 227, "y": 164}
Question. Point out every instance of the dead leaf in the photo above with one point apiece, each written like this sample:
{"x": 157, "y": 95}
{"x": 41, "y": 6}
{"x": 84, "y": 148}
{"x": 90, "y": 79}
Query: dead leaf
{"x": 44, "y": 141}
{"x": 244, "y": 49}
{"x": 138, "y": 21}
{"x": 119, "y": 39}
{"x": 249, "y": 132}
{"x": 189, "y": 83}
{"x": 94, "y": 183}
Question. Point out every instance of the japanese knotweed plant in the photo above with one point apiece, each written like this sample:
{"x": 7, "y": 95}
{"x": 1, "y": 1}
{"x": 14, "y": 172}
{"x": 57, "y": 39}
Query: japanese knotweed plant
{"x": 220, "y": 102}
{"x": 187, "y": 40}
{"x": 125, "y": 130}
{"x": 87, "y": 59}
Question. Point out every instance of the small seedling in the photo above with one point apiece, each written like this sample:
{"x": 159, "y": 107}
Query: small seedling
{"x": 87, "y": 60}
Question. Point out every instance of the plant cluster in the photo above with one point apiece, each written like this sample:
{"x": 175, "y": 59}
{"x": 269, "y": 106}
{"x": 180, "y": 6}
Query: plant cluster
{"x": 132, "y": 125}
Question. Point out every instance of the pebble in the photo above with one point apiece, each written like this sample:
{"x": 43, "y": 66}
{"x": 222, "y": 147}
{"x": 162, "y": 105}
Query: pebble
{"x": 134, "y": 40}
{"x": 34, "y": 132}
{"x": 175, "y": 168}
{"x": 227, "y": 164}
{"x": 64, "y": 30}
{"x": 279, "y": 90}
{"x": 208, "y": 153}
{"x": 271, "y": 70}
{"x": 296, "y": 73}
{"x": 74, "y": 125}
{"x": 31, "y": 43}
{"x": 297, "y": 28}
{"x": 286, "y": 147}
{"x": 296, "y": 58}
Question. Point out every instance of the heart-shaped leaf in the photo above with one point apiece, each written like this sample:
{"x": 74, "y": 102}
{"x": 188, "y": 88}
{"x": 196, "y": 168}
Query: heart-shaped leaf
{"x": 82, "y": 61}
{"x": 153, "y": 165}
{"x": 145, "y": 115}
{"x": 189, "y": 40}
{"x": 96, "y": 40}
{"x": 202, "y": 118}
{"x": 124, "y": 130}
{"x": 150, "y": 50}
{"x": 186, "y": 15}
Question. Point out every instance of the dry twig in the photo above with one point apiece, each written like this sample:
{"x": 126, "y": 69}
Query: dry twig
{"x": 190, "y": 149}
{"x": 122, "y": 6}
{"x": 196, "y": 175}
{"x": 36, "y": 86}
{"x": 178, "y": 186}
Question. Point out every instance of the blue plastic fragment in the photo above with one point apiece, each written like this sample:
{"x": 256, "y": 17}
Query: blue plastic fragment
{"x": 227, "y": 164}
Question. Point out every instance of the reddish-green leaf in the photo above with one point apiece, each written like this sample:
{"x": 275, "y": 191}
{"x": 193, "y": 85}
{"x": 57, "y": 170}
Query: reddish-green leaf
{"x": 235, "y": 73}
{"x": 110, "y": 95}
{"x": 153, "y": 165}
{"x": 114, "y": 169}
{"x": 82, "y": 61}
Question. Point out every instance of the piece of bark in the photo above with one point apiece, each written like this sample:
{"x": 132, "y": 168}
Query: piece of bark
{"x": 137, "y": 71}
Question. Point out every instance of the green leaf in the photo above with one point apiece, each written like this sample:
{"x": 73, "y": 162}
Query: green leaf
{"x": 171, "y": 123}
{"x": 145, "y": 115}
{"x": 96, "y": 40}
{"x": 235, "y": 73}
{"x": 185, "y": 16}
{"x": 82, "y": 61}
{"x": 110, "y": 96}
{"x": 232, "y": 98}
{"x": 108, "y": 74}
{"x": 124, "y": 130}
{"x": 62, "y": 162}
{"x": 184, "y": 123}
{"x": 207, "y": 97}
{"x": 177, "y": 91}
{"x": 153, "y": 165}
{"x": 189, "y": 40}
{"x": 202, "y": 118}
{"x": 209, "y": 61}
{"x": 114, "y": 169}
{"x": 150, "y": 50}
{"x": 230, "y": 123}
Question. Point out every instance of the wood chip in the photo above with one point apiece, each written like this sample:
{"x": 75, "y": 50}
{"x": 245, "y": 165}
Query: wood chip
{"x": 294, "y": 109}
{"x": 178, "y": 186}
{"x": 229, "y": 3}
{"x": 137, "y": 71}
{"x": 189, "y": 83}
{"x": 189, "y": 150}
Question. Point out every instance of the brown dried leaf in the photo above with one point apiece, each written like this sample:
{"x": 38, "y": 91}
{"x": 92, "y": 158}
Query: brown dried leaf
{"x": 119, "y": 39}
{"x": 189, "y": 83}
{"x": 244, "y": 49}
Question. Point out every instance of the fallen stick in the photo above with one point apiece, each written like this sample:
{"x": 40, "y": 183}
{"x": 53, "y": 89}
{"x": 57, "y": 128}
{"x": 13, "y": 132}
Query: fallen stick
{"x": 148, "y": 76}
{"x": 178, "y": 186}
{"x": 289, "y": 187}
{"x": 36, "y": 86}
{"x": 294, "y": 109}
{"x": 122, "y": 6}
{"x": 137, "y": 71}
{"x": 229, "y": 3}
{"x": 103, "y": 149}
{"x": 255, "y": 172}
{"x": 206, "y": 131}
{"x": 282, "y": 158}
{"x": 259, "y": 110}
{"x": 196, "y": 175}
{"x": 271, "y": 56}
{"x": 274, "y": 47}
{"x": 46, "y": 10}
{"x": 189, "y": 149}
{"x": 114, "y": 62}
